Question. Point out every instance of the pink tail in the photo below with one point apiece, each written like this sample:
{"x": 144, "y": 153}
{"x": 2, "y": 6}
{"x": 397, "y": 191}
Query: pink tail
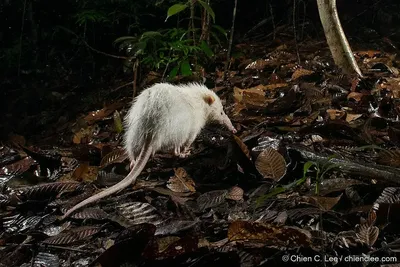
{"x": 128, "y": 180}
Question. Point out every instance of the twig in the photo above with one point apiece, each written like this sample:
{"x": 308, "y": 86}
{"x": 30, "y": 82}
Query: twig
{"x": 135, "y": 71}
{"x": 294, "y": 32}
{"x": 20, "y": 38}
{"x": 91, "y": 48}
{"x": 68, "y": 248}
{"x": 228, "y": 54}
{"x": 273, "y": 20}
{"x": 119, "y": 87}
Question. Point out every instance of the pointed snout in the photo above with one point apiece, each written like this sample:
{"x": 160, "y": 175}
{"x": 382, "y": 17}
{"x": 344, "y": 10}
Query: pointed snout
{"x": 227, "y": 122}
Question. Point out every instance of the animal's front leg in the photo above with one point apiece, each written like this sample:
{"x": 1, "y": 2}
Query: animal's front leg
{"x": 186, "y": 147}
{"x": 182, "y": 154}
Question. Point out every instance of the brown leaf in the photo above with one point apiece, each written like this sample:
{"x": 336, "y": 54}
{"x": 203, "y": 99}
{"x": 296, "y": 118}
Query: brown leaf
{"x": 259, "y": 64}
{"x": 368, "y": 53}
{"x": 90, "y": 213}
{"x": 335, "y": 114}
{"x": 181, "y": 182}
{"x": 268, "y": 233}
{"x": 326, "y": 203}
{"x": 235, "y": 193}
{"x": 18, "y": 167}
{"x": 355, "y": 95}
{"x": 352, "y": 117}
{"x": 301, "y": 72}
{"x": 367, "y": 234}
{"x": 242, "y": 146}
{"x": 97, "y": 115}
{"x": 116, "y": 156}
{"x": 271, "y": 164}
{"x": 251, "y": 98}
{"x": 72, "y": 236}
{"x": 85, "y": 173}
{"x": 389, "y": 158}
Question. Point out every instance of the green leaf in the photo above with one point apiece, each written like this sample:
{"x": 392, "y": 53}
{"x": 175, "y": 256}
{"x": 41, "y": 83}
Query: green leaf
{"x": 208, "y": 9}
{"x": 173, "y": 73}
{"x": 307, "y": 166}
{"x": 175, "y": 9}
{"x": 221, "y": 30}
{"x": 185, "y": 68}
{"x": 117, "y": 122}
{"x": 125, "y": 38}
{"x": 207, "y": 50}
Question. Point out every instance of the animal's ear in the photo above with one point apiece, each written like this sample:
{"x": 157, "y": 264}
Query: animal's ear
{"x": 209, "y": 99}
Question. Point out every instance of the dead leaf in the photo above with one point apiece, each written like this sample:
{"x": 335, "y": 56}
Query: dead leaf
{"x": 242, "y": 146}
{"x": 271, "y": 164}
{"x": 355, "y": 95}
{"x": 300, "y": 73}
{"x": 389, "y": 158}
{"x": 18, "y": 167}
{"x": 259, "y": 64}
{"x": 335, "y": 114}
{"x": 368, "y": 53}
{"x": 268, "y": 233}
{"x": 326, "y": 203}
{"x": 181, "y": 182}
{"x": 85, "y": 173}
{"x": 116, "y": 156}
{"x": 235, "y": 193}
{"x": 97, "y": 115}
{"x": 352, "y": 117}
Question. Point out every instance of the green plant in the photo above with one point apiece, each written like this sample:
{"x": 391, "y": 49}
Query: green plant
{"x": 177, "y": 8}
{"x": 321, "y": 168}
{"x": 167, "y": 50}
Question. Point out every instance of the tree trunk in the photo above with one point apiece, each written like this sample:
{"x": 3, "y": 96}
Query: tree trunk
{"x": 337, "y": 41}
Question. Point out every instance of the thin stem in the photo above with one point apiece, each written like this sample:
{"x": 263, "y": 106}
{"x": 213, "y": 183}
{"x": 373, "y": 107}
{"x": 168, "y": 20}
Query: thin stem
{"x": 20, "y": 38}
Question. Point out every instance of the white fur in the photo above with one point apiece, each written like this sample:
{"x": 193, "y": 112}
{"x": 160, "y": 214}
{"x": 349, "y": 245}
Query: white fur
{"x": 171, "y": 116}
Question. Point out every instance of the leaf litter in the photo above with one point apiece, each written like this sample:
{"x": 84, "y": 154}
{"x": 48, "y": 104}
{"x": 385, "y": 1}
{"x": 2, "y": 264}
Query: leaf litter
{"x": 314, "y": 169}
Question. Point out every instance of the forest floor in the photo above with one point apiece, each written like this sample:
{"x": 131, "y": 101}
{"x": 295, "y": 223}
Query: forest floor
{"x": 311, "y": 177}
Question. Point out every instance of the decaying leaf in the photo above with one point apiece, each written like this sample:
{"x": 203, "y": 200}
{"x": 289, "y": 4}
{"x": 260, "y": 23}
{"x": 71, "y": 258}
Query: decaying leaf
{"x": 211, "y": 199}
{"x": 251, "y": 98}
{"x": 352, "y": 117}
{"x": 335, "y": 114}
{"x": 389, "y": 158}
{"x": 355, "y": 95}
{"x": 242, "y": 146}
{"x": 235, "y": 193}
{"x": 326, "y": 203}
{"x": 90, "y": 213}
{"x": 116, "y": 156}
{"x": 73, "y": 236}
{"x": 18, "y": 167}
{"x": 85, "y": 173}
{"x": 300, "y": 73}
{"x": 271, "y": 164}
{"x": 102, "y": 113}
{"x": 268, "y": 233}
{"x": 139, "y": 212}
{"x": 367, "y": 232}
{"x": 181, "y": 182}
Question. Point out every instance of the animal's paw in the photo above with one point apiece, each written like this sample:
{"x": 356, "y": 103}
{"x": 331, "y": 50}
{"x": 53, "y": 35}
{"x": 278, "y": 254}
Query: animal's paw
{"x": 184, "y": 154}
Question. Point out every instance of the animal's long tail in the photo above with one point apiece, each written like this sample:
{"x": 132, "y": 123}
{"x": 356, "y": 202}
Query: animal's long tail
{"x": 129, "y": 179}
